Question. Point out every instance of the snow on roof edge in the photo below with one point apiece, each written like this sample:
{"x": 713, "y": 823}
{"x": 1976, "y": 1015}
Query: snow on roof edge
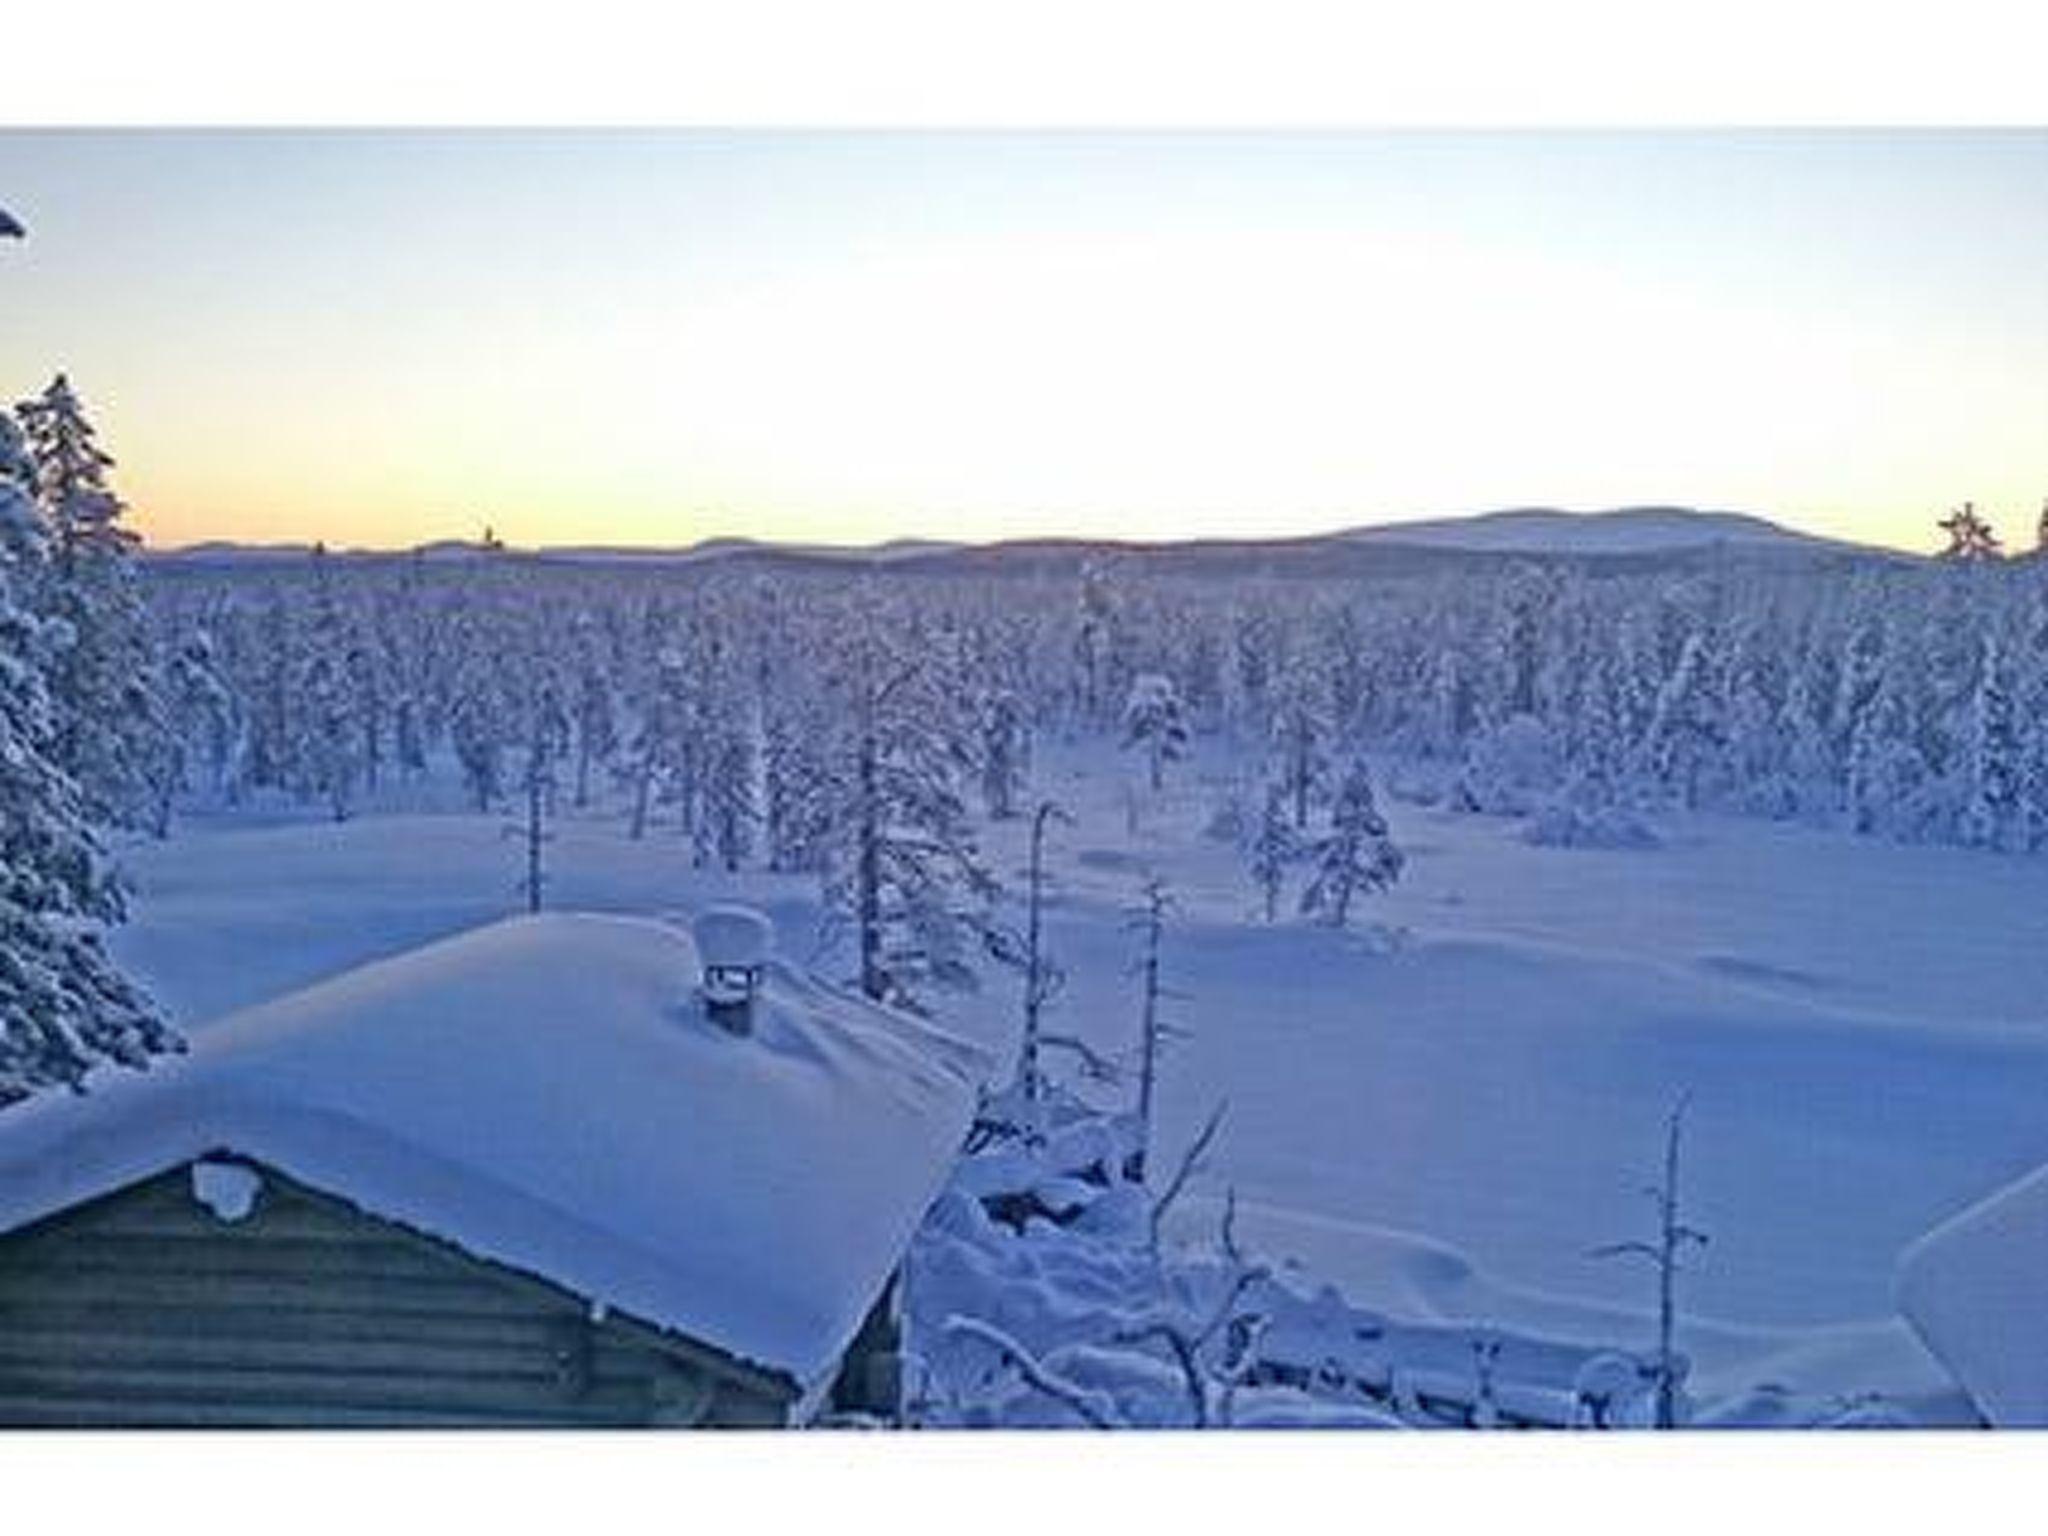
{"x": 1968, "y": 1287}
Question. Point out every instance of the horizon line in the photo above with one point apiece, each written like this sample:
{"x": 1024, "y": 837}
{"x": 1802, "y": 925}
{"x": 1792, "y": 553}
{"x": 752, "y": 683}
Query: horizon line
{"x": 485, "y": 541}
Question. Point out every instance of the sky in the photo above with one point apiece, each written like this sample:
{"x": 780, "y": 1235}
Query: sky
{"x": 379, "y": 338}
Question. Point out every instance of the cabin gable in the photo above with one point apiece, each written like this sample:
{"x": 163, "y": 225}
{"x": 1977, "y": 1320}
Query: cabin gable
{"x": 145, "y": 1307}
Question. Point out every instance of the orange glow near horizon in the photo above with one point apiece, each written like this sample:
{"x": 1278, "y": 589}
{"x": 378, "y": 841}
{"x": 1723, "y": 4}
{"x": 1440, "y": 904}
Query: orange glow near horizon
{"x": 380, "y": 340}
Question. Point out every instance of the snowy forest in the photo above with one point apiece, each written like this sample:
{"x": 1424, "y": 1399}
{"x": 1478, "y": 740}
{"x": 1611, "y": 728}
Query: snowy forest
{"x": 1907, "y": 700}
{"x": 898, "y": 737}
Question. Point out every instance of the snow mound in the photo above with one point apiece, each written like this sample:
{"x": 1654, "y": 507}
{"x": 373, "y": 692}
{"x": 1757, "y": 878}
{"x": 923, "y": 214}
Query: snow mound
{"x": 1972, "y": 1289}
{"x": 229, "y": 1190}
{"x": 546, "y": 1093}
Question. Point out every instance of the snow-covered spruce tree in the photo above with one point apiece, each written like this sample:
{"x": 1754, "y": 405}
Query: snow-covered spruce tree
{"x": 478, "y": 730}
{"x": 1005, "y": 752}
{"x": 103, "y": 681}
{"x": 1095, "y": 642}
{"x": 64, "y": 1005}
{"x": 1298, "y": 742}
{"x": 327, "y": 751}
{"x": 596, "y": 709}
{"x": 200, "y": 721}
{"x": 1272, "y": 846}
{"x": 663, "y": 727}
{"x": 728, "y": 797}
{"x": 1154, "y": 722}
{"x": 1970, "y": 536}
{"x": 269, "y": 663}
{"x": 546, "y": 741}
{"x": 1357, "y": 854}
{"x": 1686, "y": 729}
{"x": 794, "y": 779}
{"x": 1991, "y": 765}
{"x": 901, "y": 870}
{"x": 369, "y": 698}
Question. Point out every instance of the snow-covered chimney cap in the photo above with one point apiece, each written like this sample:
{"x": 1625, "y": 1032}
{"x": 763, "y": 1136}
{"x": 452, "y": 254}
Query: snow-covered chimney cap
{"x": 733, "y": 936}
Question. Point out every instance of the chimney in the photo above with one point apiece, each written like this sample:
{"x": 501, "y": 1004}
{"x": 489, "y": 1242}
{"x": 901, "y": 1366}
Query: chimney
{"x": 733, "y": 942}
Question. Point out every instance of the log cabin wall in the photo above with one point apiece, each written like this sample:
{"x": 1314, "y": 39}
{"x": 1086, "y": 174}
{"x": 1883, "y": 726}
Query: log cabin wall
{"x": 146, "y": 1309}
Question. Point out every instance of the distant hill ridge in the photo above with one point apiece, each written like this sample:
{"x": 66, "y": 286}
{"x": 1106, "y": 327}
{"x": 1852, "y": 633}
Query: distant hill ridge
{"x": 1544, "y": 530}
{"x": 1628, "y": 534}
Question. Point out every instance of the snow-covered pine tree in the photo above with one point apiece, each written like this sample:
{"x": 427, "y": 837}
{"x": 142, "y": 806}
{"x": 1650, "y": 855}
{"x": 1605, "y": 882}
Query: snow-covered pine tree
{"x": 110, "y": 725}
{"x": 1993, "y": 760}
{"x": 664, "y": 722}
{"x": 1094, "y": 641}
{"x": 1298, "y": 742}
{"x": 794, "y": 781}
{"x": 1686, "y": 728}
{"x": 596, "y": 711}
{"x": 327, "y": 751}
{"x": 71, "y": 474}
{"x": 546, "y": 741}
{"x": 369, "y": 699}
{"x": 200, "y": 715}
{"x": 901, "y": 868}
{"x": 1970, "y": 536}
{"x": 266, "y": 663}
{"x": 478, "y": 730}
{"x": 1153, "y": 720}
{"x": 728, "y": 794}
{"x": 64, "y": 1005}
{"x": 1271, "y": 847}
{"x": 1357, "y": 854}
{"x": 1005, "y": 752}
{"x": 24, "y": 539}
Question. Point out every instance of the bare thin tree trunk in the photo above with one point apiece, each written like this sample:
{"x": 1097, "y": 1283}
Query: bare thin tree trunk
{"x": 1148, "y": 1042}
{"x": 643, "y": 791}
{"x": 535, "y": 805}
{"x": 873, "y": 980}
{"x": 1671, "y": 1234}
{"x": 1034, "y": 972}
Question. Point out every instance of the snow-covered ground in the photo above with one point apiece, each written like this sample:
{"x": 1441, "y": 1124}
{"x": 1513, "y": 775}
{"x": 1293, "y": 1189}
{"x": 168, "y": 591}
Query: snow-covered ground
{"x": 1441, "y": 1110}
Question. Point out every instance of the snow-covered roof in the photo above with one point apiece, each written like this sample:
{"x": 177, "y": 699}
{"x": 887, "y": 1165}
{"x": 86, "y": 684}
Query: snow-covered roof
{"x": 546, "y": 1093}
{"x": 1972, "y": 1290}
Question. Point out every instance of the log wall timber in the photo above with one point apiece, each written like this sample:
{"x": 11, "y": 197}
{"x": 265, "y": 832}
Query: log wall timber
{"x": 144, "y": 1308}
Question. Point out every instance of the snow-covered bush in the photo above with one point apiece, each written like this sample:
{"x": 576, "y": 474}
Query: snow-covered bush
{"x": 1589, "y": 814}
{"x": 1154, "y": 720}
{"x": 1037, "y": 1294}
{"x": 1413, "y": 784}
{"x": 1509, "y": 769}
{"x": 1565, "y": 824}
